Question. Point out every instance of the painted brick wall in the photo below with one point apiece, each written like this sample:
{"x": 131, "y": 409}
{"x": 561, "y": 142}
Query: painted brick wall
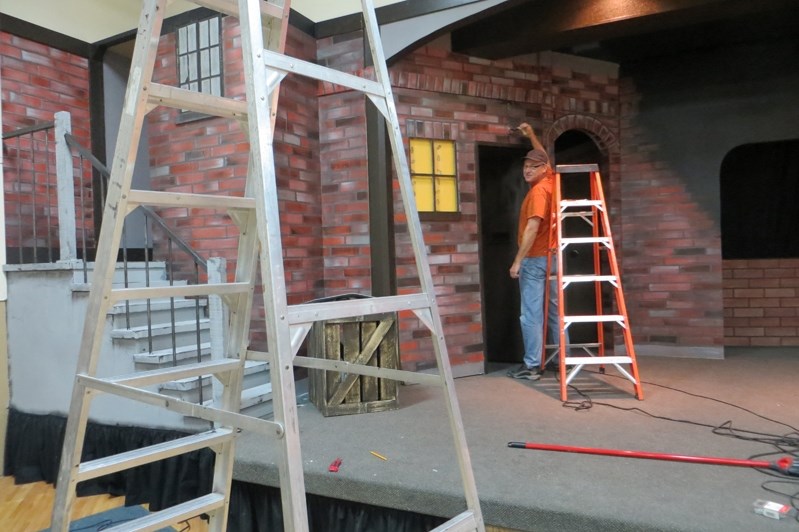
{"x": 211, "y": 155}
{"x": 472, "y": 101}
{"x": 671, "y": 249}
{"x": 39, "y": 81}
{"x": 761, "y": 302}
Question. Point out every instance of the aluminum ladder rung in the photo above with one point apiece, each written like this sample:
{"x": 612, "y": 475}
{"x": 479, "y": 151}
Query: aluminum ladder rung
{"x": 189, "y": 290}
{"x": 322, "y": 73}
{"x": 408, "y": 377}
{"x": 188, "y": 201}
{"x": 186, "y": 408}
{"x": 585, "y": 240}
{"x": 231, "y": 7}
{"x": 580, "y": 361}
{"x": 158, "y": 376}
{"x": 593, "y": 319}
{"x": 153, "y": 453}
{"x": 576, "y": 214}
{"x": 568, "y": 279}
{"x": 177, "y": 98}
{"x": 174, "y": 514}
{"x": 462, "y": 522}
{"x": 566, "y": 204}
{"x": 331, "y": 310}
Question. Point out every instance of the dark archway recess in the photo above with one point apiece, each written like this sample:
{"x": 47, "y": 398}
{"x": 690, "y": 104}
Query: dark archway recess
{"x": 577, "y": 147}
{"x": 502, "y": 190}
{"x": 759, "y": 186}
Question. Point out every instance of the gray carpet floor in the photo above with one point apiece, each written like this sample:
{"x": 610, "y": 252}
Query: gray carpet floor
{"x": 684, "y": 399}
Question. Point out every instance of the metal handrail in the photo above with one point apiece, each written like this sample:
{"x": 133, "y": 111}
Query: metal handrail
{"x": 28, "y": 130}
{"x": 103, "y": 169}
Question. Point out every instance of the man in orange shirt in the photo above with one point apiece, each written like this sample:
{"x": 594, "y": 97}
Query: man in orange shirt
{"x": 530, "y": 264}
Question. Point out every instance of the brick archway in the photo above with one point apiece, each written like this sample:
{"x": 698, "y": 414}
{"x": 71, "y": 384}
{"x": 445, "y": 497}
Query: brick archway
{"x": 605, "y": 140}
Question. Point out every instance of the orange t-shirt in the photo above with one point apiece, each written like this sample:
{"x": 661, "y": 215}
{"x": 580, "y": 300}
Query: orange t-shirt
{"x": 538, "y": 203}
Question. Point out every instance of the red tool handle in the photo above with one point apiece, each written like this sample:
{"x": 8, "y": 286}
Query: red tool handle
{"x": 786, "y": 465}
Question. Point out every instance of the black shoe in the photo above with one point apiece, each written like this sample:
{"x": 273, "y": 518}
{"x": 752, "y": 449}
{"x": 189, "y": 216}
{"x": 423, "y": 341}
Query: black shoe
{"x": 555, "y": 368}
{"x": 523, "y": 372}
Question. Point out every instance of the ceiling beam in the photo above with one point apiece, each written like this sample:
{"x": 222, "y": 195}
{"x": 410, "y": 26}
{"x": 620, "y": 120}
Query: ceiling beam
{"x": 554, "y": 24}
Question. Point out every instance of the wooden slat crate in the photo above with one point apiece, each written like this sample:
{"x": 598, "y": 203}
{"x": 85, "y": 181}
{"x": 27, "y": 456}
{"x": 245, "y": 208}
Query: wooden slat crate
{"x": 369, "y": 340}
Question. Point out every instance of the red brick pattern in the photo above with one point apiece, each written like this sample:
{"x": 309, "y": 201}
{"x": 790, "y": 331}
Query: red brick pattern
{"x": 211, "y": 156}
{"x": 761, "y": 302}
{"x": 37, "y": 82}
{"x": 668, "y": 246}
{"x": 448, "y": 96}
{"x": 671, "y": 247}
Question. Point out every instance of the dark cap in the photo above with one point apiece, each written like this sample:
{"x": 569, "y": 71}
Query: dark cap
{"x": 537, "y": 156}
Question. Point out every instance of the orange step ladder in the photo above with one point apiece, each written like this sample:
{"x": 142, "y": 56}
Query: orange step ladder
{"x": 594, "y": 212}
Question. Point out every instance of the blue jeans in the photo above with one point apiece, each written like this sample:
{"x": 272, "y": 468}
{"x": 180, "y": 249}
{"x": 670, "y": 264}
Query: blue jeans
{"x": 532, "y": 279}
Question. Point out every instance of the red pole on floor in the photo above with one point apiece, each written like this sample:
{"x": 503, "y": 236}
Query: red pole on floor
{"x": 785, "y": 464}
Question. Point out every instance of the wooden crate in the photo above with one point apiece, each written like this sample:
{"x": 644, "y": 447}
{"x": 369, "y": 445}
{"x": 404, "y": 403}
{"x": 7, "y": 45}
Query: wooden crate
{"x": 369, "y": 340}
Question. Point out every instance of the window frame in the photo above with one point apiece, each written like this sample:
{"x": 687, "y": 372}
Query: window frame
{"x": 211, "y": 45}
{"x": 435, "y": 175}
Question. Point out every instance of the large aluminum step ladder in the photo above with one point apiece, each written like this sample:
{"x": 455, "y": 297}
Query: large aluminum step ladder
{"x": 594, "y": 212}
{"x": 257, "y": 217}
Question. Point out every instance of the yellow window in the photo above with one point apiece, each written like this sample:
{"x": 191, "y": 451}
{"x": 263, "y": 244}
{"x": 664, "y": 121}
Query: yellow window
{"x": 434, "y": 175}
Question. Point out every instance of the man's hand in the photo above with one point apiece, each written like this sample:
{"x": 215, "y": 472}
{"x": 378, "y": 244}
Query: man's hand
{"x": 514, "y": 269}
{"x": 527, "y": 130}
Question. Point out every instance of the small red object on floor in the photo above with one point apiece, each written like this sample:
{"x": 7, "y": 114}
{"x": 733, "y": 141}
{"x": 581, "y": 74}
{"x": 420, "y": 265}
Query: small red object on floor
{"x": 334, "y": 466}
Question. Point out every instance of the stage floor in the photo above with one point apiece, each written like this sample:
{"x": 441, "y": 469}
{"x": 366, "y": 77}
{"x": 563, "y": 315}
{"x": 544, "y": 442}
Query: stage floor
{"x": 544, "y": 490}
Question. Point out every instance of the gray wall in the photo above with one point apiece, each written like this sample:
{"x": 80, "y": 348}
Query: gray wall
{"x": 698, "y": 107}
{"x": 115, "y": 80}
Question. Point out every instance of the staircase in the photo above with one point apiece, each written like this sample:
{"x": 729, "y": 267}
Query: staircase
{"x": 162, "y": 333}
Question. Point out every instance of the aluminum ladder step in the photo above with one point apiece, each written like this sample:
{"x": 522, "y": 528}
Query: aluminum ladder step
{"x": 192, "y": 290}
{"x": 153, "y": 453}
{"x": 568, "y": 279}
{"x": 602, "y": 318}
{"x": 187, "y": 200}
{"x": 175, "y": 514}
{"x": 585, "y": 240}
{"x": 567, "y": 204}
{"x": 463, "y": 522}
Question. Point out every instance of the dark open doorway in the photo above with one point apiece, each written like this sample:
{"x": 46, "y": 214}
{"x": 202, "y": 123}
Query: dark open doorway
{"x": 502, "y": 190}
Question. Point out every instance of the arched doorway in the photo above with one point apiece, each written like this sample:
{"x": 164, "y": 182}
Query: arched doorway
{"x": 501, "y": 191}
{"x": 576, "y": 147}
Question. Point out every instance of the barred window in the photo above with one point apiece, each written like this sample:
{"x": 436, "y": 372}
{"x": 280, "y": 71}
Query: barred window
{"x": 199, "y": 50}
{"x": 434, "y": 175}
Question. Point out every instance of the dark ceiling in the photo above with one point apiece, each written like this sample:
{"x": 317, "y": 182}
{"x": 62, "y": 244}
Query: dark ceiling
{"x": 624, "y": 31}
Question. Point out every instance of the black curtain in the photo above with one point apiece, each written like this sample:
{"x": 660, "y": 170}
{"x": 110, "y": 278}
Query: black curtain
{"x": 760, "y": 201}
{"x": 33, "y": 453}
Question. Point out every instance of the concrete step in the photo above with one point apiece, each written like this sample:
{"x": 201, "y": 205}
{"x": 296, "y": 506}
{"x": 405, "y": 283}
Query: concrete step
{"x": 160, "y": 311}
{"x": 184, "y": 354}
{"x": 254, "y": 371}
{"x": 256, "y": 389}
{"x": 257, "y": 401}
{"x": 135, "y": 339}
{"x": 137, "y": 272}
